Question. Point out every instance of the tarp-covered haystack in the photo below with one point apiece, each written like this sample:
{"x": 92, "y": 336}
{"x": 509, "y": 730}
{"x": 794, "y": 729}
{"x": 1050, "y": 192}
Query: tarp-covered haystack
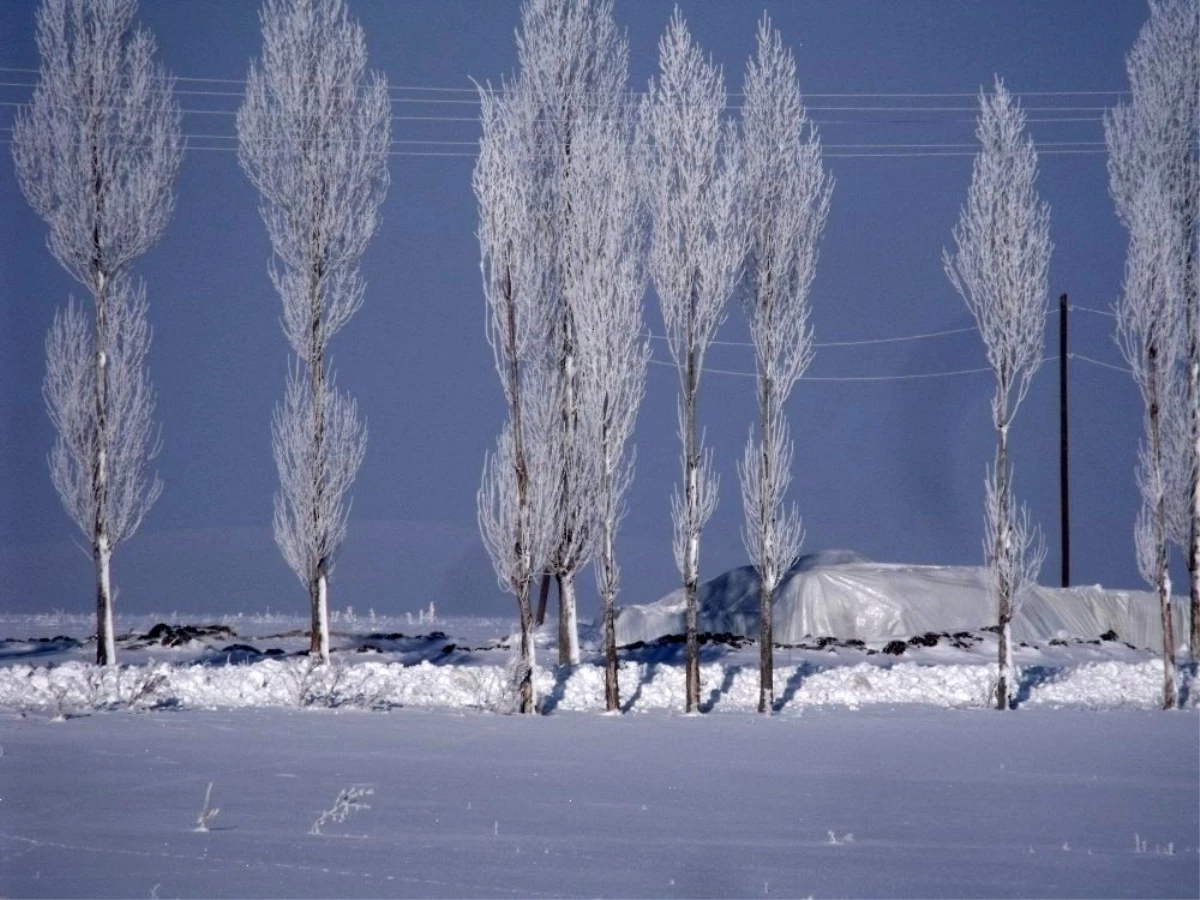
{"x": 841, "y": 594}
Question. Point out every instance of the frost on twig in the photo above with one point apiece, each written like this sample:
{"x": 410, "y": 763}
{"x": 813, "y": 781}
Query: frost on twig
{"x": 207, "y": 811}
{"x": 348, "y": 801}
{"x": 313, "y": 136}
{"x": 691, "y": 171}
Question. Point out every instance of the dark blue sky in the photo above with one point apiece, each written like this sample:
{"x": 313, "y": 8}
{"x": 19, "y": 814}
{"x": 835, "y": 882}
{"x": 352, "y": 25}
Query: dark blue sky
{"x": 892, "y": 469}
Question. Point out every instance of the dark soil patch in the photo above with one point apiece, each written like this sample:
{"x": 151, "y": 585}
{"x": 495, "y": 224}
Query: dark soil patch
{"x": 164, "y": 635}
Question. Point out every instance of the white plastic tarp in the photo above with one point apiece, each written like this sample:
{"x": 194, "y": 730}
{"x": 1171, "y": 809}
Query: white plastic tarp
{"x": 840, "y": 594}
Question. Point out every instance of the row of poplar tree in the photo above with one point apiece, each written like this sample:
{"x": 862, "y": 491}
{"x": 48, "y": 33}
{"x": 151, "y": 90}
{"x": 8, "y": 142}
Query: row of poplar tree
{"x": 585, "y": 194}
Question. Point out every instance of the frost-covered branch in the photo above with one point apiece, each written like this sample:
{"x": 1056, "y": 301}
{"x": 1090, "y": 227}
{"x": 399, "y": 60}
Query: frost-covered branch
{"x": 772, "y": 532}
{"x": 311, "y": 506}
{"x": 573, "y": 65}
{"x": 1153, "y": 163}
{"x": 1003, "y": 245}
{"x": 606, "y": 259}
{"x": 519, "y": 496}
{"x": 99, "y": 145}
{"x": 1000, "y": 269}
{"x": 313, "y": 137}
{"x": 512, "y": 206}
{"x": 96, "y": 154}
{"x": 348, "y": 800}
{"x": 518, "y": 508}
{"x": 1015, "y": 550}
{"x": 1150, "y": 333}
{"x": 1179, "y": 455}
{"x": 129, "y": 442}
{"x": 692, "y": 175}
{"x": 786, "y": 201}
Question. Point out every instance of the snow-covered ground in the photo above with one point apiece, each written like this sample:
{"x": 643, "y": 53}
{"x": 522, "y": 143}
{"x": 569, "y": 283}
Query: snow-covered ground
{"x": 461, "y": 663}
{"x": 885, "y": 802}
{"x": 883, "y": 773}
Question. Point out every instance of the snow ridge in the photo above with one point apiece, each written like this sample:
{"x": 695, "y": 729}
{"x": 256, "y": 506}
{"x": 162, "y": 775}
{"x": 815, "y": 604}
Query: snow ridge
{"x": 75, "y": 688}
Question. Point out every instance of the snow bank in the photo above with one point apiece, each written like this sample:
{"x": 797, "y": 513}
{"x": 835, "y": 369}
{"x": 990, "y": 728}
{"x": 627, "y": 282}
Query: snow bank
{"x": 839, "y": 593}
{"x": 76, "y": 688}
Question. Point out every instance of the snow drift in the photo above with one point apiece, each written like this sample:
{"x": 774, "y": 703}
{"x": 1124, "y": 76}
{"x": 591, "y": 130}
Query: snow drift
{"x": 841, "y": 594}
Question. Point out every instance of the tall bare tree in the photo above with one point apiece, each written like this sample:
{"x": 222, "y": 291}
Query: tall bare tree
{"x": 607, "y": 261}
{"x": 692, "y": 184}
{"x": 96, "y": 153}
{"x": 519, "y": 502}
{"x": 786, "y": 202}
{"x": 574, "y": 66}
{"x": 1154, "y": 136}
{"x": 1149, "y": 331}
{"x": 313, "y": 137}
{"x": 1000, "y": 270}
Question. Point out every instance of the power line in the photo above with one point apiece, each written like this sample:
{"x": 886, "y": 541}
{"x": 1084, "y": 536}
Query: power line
{"x": 854, "y": 343}
{"x": 1096, "y": 312}
{"x": 1096, "y": 362}
{"x": 427, "y": 153}
{"x": 869, "y": 341}
{"x": 867, "y": 146}
{"x": 913, "y": 376}
{"x": 857, "y": 108}
{"x": 915, "y": 155}
{"x": 912, "y": 95}
{"x": 822, "y": 123}
{"x": 847, "y": 378}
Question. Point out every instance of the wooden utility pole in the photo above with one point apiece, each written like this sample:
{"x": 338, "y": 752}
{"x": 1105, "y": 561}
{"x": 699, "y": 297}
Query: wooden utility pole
{"x": 543, "y": 594}
{"x": 1064, "y": 456}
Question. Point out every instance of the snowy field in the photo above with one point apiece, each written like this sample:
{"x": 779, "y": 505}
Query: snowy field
{"x": 883, "y": 773}
{"x": 884, "y": 802}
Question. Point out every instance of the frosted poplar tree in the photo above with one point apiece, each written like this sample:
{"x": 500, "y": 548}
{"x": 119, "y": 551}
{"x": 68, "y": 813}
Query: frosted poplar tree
{"x": 1154, "y": 136}
{"x": 96, "y": 154}
{"x": 786, "y": 202}
{"x": 574, "y": 65}
{"x": 607, "y": 261}
{"x": 1178, "y": 452}
{"x": 1149, "y": 332}
{"x": 1000, "y": 269}
{"x": 313, "y": 137}
{"x": 1018, "y": 569}
{"x": 692, "y": 172}
{"x": 518, "y": 500}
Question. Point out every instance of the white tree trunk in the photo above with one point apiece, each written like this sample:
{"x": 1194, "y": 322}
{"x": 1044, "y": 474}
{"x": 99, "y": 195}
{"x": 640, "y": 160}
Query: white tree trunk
{"x": 1003, "y": 568}
{"x": 1006, "y": 692}
{"x": 321, "y": 618}
{"x": 568, "y": 620}
{"x": 1155, "y": 368}
{"x": 106, "y": 650}
{"x": 96, "y": 153}
{"x": 691, "y": 584}
{"x": 1170, "y": 693}
{"x": 106, "y": 653}
{"x": 1193, "y": 561}
{"x": 527, "y": 700}
{"x": 766, "y": 655}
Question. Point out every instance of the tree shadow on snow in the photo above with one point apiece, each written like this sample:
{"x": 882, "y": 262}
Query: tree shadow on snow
{"x": 718, "y": 692}
{"x": 650, "y": 670}
{"x": 550, "y": 701}
{"x": 1187, "y": 681}
{"x": 794, "y": 681}
{"x": 1031, "y": 677}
